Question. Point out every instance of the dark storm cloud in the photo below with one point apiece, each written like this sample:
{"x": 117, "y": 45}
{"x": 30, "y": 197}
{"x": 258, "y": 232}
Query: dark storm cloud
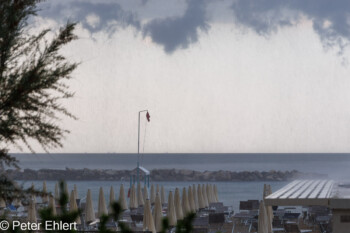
{"x": 108, "y": 14}
{"x": 179, "y": 32}
{"x": 330, "y": 19}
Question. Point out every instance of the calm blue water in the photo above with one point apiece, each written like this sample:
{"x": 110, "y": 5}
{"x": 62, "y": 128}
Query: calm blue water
{"x": 335, "y": 165}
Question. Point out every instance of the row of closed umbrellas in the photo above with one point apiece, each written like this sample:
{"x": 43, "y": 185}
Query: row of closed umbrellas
{"x": 193, "y": 198}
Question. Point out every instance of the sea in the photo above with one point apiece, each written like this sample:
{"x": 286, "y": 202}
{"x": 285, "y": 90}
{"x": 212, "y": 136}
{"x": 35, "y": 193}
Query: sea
{"x": 336, "y": 166}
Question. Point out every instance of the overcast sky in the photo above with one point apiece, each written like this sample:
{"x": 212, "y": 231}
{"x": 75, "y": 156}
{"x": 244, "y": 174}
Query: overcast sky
{"x": 216, "y": 76}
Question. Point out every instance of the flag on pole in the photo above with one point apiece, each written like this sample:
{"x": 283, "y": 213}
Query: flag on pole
{"x": 148, "y": 117}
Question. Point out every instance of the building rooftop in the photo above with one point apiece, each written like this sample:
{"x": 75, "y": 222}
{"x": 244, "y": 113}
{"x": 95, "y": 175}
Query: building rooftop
{"x": 311, "y": 192}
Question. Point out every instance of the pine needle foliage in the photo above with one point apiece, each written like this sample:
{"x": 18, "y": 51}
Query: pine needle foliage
{"x": 33, "y": 76}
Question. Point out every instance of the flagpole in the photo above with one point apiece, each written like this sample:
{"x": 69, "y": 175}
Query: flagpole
{"x": 138, "y": 148}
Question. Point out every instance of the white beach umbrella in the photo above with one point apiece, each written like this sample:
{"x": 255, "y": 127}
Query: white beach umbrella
{"x": 158, "y": 215}
{"x": 157, "y": 189}
{"x": 32, "y": 212}
{"x": 57, "y": 194}
{"x": 185, "y": 205}
{"x": 111, "y": 199}
{"x": 52, "y": 205}
{"x": 45, "y": 198}
{"x": 72, "y": 202}
{"x": 263, "y": 219}
{"x": 171, "y": 210}
{"x": 178, "y": 205}
{"x": 73, "y": 205}
{"x": 207, "y": 192}
{"x": 204, "y": 194}
{"x": 89, "y": 208}
{"x": 148, "y": 222}
{"x": 216, "y": 193}
{"x": 76, "y": 192}
{"x": 201, "y": 203}
{"x": 145, "y": 193}
{"x": 136, "y": 203}
{"x": 133, "y": 199}
{"x": 102, "y": 209}
{"x": 153, "y": 194}
{"x": 191, "y": 200}
{"x": 195, "y": 196}
{"x": 212, "y": 195}
{"x": 33, "y": 196}
{"x": 139, "y": 195}
{"x": 122, "y": 199}
{"x": 162, "y": 195}
{"x": 267, "y": 191}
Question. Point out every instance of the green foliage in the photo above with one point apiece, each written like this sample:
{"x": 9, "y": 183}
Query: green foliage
{"x": 32, "y": 84}
{"x": 64, "y": 216}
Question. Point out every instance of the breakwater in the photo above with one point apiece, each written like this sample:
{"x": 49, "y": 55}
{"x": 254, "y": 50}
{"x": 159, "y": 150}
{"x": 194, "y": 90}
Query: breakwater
{"x": 158, "y": 175}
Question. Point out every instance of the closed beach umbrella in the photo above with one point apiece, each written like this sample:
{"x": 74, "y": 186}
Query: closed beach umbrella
{"x": 111, "y": 199}
{"x": 201, "y": 203}
{"x": 178, "y": 205}
{"x": 73, "y": 206}
{"x": 89, "y": 208}
{"x": 72, "y": 202}
{"x": 139, "y": 195}
{"x": 102, "y": 209}
{"x": 45, "y": 198}
{"x": 122, "y": 199}
{"x": 148, "y": 222}
{"x": 171, "y": 210}
{"x": 190, "y": 200}
{"x": 57, "y": 194}
{"x": 216, "y": 193}
{"x": 269, "y": 211}
{"x": 211, "y": 189}
{"x": 145, "y": 193}
{"x": 134, "y": 196}
{"x": 153, "y": 194}
{"x": 195, "y": 196}
{"x": 33, "y": 195}
{"x": 204, "y": 194}
{"x": 185, "y": 205}
{"x": 157, "y": 215}
{"x": 133, "y": 199}
{"x": 207, "y": 192}
{"x": 32, "y": 212}
{"x": 162, "y": 195}
{"x": 76, "y": 192}
{"x": 157, "y": 189}
{"x": 262, "y": 221}
{"x": 52, "y": 205}
{"x": 209, "y": 196}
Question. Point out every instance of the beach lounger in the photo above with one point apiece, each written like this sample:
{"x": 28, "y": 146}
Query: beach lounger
{"x": 136, "y": 217}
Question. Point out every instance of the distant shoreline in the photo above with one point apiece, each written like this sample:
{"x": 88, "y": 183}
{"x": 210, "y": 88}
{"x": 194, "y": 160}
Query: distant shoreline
{"x": 159, "y": 175}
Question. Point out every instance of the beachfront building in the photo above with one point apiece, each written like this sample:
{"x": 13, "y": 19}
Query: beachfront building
{"x": 325, "y": 193}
